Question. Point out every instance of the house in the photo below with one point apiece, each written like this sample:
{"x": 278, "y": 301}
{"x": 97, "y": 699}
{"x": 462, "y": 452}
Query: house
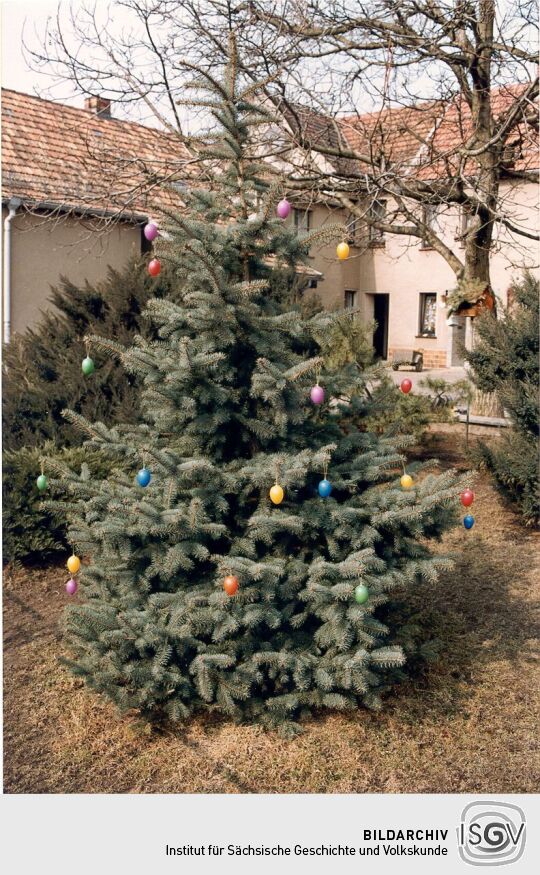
{"x": 78, "y": 186}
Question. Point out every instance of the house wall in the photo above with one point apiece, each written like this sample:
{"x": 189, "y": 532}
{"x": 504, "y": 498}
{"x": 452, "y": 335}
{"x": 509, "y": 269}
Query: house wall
{"x": 403, "y": 269}
{"x": 44, "y": 249}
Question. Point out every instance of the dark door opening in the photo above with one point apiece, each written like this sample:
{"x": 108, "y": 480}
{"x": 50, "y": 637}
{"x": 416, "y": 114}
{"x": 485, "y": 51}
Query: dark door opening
{"x": 380, "y": 335}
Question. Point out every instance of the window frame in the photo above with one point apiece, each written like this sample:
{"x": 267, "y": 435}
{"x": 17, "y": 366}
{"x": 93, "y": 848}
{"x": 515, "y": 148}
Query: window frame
{"x": 300, "y": 231}
{"x": 422, "y": 310}
{"x": 354, "y": 294}
{"x": 430, "y": 223}
{"x": 377, "y": 237}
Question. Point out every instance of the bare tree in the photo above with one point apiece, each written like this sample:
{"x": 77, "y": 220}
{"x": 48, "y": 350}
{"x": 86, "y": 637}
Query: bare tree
{"x": 451, "y": 88}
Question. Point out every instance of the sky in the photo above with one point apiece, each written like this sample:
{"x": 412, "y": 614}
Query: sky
{"x": 29, "y": 15}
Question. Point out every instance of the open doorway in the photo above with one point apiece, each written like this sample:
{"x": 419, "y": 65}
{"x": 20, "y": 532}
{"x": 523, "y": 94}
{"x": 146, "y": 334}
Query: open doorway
{"x": 381, "y": 307}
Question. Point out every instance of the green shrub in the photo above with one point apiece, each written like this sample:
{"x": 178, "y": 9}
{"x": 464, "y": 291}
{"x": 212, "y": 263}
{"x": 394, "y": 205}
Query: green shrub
{"x": 32, "y": 531}
{"x": 42, "y": 367}
{"x": 505, "y": 361}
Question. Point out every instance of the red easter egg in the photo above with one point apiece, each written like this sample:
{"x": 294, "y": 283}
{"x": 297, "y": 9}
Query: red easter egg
{"x": 406, "y": 386}
{"x": 467, "y": 497}
{"x": 230, "y": 584}
{"x": 154, "y": 267}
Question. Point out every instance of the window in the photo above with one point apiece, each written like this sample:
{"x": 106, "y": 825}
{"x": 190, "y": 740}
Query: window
{"x": 429, "y": 219}
{"x": 465, "y": 220}
{"x": 353, "y": 228}
{"x": 350, "y": 299}
{"x": 302, "y": 222}
{"x": 428, "y": 314}
{"x": 377, "y": 213}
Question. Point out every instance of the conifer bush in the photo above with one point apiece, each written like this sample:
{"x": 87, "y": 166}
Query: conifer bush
{"x": 42, "y": 366}
{"x": 227, "y": 415}
{"x": 505, "y": 361}
{"x": 31, "y": 530}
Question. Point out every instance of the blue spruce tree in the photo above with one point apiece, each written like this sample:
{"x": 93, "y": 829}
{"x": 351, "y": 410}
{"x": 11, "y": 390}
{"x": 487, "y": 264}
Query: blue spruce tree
{"x": 227, "y": 415}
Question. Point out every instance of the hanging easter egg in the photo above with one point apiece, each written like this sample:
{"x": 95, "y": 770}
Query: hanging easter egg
{"x": 283, "y": 208}
{"x": 361, "y": 594}
{"x": 325, "y": 488}
{"x": 405, "y": 386}
{"x": 317, "y": 394}
{"x": 154, "y": 267}
{"x": 88, "y": 367}
{"x": 42, "y": 482}
{"x": 406, "y": 481}
{"x": 151, "y": 231}
{"x": 71, "y": 586}
{"x": 342, "y": 250}
{"x": 73, "y": 564}
{"x": 230, "y": 584}
{"x": 467, "y": 497}
{"x": 143, "y": 477}
{"x": 468, "y": 521}
{"x": 276, "y": 494}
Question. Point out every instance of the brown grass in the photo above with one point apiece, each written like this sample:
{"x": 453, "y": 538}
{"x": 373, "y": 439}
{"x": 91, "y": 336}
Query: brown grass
{"x": 467, "y": 724}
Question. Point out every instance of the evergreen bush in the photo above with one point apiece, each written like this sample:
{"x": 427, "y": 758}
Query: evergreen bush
{"x": 32, "y": 530}
{"x": 42, "y": 367}
{"x": 504, "y": 361}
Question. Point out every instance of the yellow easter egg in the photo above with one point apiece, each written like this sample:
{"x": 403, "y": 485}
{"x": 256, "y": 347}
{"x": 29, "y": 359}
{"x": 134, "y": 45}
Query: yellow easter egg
{"x": 276, "y": 494}
{"x": 342, "y": 251}
{"x": 406, "y": 481}
{"x": 73, "y": 564}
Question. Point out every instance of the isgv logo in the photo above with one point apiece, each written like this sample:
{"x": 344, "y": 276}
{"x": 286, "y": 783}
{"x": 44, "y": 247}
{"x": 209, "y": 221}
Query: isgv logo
{"x": 491, "y": 833}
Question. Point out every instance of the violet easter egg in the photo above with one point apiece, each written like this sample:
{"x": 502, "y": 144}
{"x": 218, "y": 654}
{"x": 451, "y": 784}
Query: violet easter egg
{"x": 151, "y": 231}
{"x": 71, "y": 586}
{"x": 317, "y": 394}
{"x": 283, "y": 208}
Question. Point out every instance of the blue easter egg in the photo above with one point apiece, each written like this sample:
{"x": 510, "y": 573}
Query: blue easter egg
{"x": 468, "y": 521}
{"x": 325, "y": 488}
{"x": 143, "y": 477}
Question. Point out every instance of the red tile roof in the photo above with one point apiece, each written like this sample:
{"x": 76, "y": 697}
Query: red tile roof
{"x": 425, "y": 139}
{"x": 58, "y": 155}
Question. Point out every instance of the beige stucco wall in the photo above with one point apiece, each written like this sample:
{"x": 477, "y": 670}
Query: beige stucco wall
{"x": 43, "y": 249}
{"x": 403, "y": 269}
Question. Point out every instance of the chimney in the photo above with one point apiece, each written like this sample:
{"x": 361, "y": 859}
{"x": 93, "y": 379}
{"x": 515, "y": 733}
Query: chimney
{"x": 99, "y": 106}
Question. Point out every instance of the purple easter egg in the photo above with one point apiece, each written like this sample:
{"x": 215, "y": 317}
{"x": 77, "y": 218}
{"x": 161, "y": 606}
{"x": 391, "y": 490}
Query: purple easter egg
{"x": 71, "y": 587}
{"x": 317, "y": 394}
{"x": 283, "y": 208}
{"x": 150, "y": 231}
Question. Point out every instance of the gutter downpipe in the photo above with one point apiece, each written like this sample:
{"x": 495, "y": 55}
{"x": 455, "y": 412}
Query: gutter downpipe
{"x": 13, "y": 205}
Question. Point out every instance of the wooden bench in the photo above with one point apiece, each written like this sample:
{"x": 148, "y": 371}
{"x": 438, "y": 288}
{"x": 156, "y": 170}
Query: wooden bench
{"x": 413, "y": 358}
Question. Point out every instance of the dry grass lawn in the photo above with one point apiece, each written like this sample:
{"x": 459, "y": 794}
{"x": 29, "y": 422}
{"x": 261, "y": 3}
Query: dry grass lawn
{"x": 467, "y": 724}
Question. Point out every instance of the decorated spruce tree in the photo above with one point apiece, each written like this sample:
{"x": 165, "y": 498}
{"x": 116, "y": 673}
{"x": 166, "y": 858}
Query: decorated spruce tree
{"x": 243, "y": 555}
